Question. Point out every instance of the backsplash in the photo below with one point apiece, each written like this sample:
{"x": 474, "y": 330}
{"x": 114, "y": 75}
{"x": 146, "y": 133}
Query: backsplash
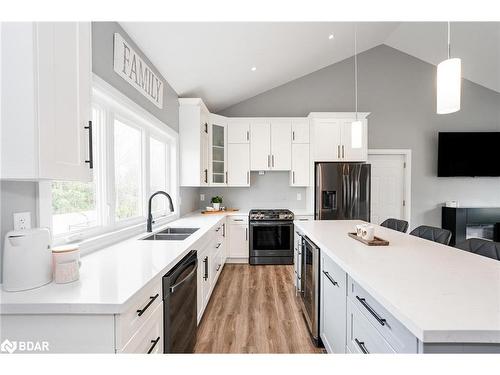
{"x": 270, "y": 190}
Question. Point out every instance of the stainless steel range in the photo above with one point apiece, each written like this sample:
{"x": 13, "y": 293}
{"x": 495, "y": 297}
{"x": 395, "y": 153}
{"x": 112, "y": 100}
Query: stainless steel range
{"x": 271, "y": 236}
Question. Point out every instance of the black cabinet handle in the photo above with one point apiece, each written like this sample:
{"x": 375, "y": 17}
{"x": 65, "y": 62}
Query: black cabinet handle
{"x": 90, "y": 162}
{"x": 224, "y": 230}
{"x": 205, "y": 276}
{"x": 371, "y": 311}
{"x": 218, "y": 268}
{"x": 154, "y": 342}
{"x": 218, "y": 245}
{"x": 151, "y": 300}
{"x": 331, "y": 279}
{"x": 362, "y": 346}
{"x": 206, "y": 176}
{"x": 206, "y": 128}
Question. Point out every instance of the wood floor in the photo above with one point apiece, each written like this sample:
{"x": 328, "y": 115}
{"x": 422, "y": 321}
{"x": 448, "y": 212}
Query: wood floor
{"x": 253, "y": 309}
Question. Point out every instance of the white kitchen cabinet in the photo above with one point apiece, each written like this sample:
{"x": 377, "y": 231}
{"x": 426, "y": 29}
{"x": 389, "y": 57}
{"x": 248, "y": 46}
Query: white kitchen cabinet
{"x": 335, "y": 138}
{"x": 300, "y": 131}
{"x": 260, "y": 146}
{"x": 281, "y": 145}
{"x": 218, "y": 150}
{"x": 301, "y": 166}
{"x": 46, "y": 91}
{"x": 238, "y": 239}
{"x": 333, "y": 305}
{"x": 238, "y": 169}
{"x": 194, "y": 142}
{"x": 238, "y": 131}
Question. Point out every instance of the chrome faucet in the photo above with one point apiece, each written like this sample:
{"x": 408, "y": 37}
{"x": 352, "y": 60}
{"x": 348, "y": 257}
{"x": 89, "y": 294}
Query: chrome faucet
{"x": 150, "y": 215}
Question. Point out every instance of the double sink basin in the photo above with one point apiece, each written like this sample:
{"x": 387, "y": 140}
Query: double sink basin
{"x": 171, "y": 234}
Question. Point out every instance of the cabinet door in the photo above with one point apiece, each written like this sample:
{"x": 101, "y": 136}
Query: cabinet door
{"x": 333, "y": 306}
{"x": 300, "y": 165}
{"x": 238, "y": 169}
{"x": 218, "y": 153}
{"x": 300, "y": 131}
{"x": 238, "y": 131}
{"x": 260, "y": 146}
{"x": 64, "y": 91}
{"x": 238, "y": 241}
{"x": 204, "y": 150}
{"x": 201, "y": 283}
{"x": 207, "y": 277}
{"x": 281, "y": 145}
{"x": 354, "y": 140}
{"x": 327, "y": 140}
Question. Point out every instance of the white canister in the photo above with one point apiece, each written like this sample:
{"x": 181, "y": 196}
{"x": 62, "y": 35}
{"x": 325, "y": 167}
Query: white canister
{"x": 66, "y": 263}
{"x": 368, "y": 233}
{"x": 359, "y": 229}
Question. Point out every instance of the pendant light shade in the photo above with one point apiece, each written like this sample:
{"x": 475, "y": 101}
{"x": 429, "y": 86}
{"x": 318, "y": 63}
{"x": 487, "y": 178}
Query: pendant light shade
{"x": 449, "y": 78}
{"x": 449, "y": 81}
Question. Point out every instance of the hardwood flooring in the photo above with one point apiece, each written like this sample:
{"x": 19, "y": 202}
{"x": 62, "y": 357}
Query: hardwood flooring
{"x": 253, "y": 309}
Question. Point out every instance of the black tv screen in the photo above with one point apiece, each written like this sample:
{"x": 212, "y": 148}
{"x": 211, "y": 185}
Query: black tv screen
{"x": 469, "y": 154}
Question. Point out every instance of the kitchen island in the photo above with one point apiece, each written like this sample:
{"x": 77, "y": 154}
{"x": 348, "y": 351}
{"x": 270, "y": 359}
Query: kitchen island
{"x": 413, "y": 296}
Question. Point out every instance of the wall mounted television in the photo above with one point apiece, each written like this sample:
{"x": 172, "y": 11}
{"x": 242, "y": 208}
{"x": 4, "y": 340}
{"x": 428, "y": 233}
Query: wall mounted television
{"x": 473, "y": 154}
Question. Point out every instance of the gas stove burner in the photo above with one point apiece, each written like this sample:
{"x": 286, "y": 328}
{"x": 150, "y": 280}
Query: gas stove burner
{"x": 271, "y": 214}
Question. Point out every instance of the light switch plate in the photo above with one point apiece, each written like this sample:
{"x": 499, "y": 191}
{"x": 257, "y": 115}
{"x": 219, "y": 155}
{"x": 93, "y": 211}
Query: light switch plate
{"x": 22, "y": 220}
{"x": 202, "y": 197}
{"x": 299, "y": 196}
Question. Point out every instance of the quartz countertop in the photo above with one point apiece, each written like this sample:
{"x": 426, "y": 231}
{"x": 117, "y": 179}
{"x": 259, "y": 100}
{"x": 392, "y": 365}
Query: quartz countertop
{"x": 110, "y": 277}
{"x": 441, "y": 294}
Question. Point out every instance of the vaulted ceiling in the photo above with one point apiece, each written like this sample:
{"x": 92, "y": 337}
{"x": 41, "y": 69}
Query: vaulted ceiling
{"x": 214, "y": 60}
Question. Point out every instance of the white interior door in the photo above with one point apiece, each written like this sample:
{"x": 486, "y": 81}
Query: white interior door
{"x": 387, "y": 187}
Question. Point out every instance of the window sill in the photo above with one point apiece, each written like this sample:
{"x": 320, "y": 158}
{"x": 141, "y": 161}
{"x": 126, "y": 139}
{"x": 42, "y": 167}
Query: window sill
{"x": 97, "y": 242}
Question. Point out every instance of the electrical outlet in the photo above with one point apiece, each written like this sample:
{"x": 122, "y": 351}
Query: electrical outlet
{"x": 202, "y": 197}
{"x": 262, "y": 173}
{"x": 22, "y": 220}
{"x": 299, "y": 196}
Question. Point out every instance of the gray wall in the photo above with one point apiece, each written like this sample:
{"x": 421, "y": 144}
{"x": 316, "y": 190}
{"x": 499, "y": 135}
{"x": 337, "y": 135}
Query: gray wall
{"x": 399, "y": 91}
{"x": 102, "y": 65}
{"x": 270, "y": 190}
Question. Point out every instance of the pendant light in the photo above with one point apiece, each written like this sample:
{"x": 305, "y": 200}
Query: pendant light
{"x": 356, "y": 125}
{"x": 449, "y": 79}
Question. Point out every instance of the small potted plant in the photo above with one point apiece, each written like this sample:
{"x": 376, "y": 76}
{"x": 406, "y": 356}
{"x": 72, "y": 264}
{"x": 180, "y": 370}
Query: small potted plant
{"x": 216, "y": 201}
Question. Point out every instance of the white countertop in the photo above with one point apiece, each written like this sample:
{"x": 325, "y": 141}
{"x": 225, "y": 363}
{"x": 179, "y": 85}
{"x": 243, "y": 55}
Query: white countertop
{"x": 111, "y": 276}
{"x": 441, "y": 294}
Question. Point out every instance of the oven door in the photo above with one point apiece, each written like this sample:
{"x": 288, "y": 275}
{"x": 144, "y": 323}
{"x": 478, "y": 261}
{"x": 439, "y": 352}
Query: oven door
{"x": 271, "y": 239}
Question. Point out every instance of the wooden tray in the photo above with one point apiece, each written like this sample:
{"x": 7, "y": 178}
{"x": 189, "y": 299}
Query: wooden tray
{"x": 220, "y": 211}
{"x": 377, "y": 241}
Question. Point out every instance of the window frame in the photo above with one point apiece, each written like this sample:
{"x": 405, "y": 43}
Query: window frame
{"x": 114, "y": 105}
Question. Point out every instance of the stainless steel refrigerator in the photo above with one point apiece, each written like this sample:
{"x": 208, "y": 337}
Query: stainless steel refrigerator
{"x": 342, "y": 191}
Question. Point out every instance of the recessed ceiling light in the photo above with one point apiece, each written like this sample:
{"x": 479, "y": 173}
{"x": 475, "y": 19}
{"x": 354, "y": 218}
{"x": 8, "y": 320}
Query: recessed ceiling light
{"x": 330, "y": 36}
{"x": 253, "y": 69}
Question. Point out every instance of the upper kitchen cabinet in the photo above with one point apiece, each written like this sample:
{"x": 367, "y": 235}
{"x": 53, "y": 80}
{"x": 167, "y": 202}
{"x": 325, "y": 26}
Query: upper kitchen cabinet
{"x": 300, "y": 130}
{"x": 218, "y": 150}
{"x": 194, "y": 142}
{"x": 46, "y": 94}
{"x": 337, "y": 137}
{"x": 271, "y": 145}
{"x": 238, "y": 130}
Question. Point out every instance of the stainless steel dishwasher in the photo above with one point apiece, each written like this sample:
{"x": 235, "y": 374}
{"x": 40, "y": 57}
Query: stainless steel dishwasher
{"x": 179, "y": 306}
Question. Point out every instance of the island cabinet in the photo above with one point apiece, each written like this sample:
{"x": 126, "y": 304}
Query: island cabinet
{"x": 333, "y": 309}
{"x": 45, "y": 100}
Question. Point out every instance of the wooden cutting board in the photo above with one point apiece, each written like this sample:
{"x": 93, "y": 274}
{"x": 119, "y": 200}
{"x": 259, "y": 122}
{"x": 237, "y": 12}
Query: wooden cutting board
{"x": 220, "y": 211}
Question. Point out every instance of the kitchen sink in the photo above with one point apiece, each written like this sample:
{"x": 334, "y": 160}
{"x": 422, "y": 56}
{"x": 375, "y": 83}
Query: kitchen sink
{"x": 172, "y": 234}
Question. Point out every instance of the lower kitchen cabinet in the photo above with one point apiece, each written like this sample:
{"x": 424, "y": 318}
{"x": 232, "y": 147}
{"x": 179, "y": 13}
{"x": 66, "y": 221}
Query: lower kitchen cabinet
{"x": 148, "y": 339}
{"x": 238, "y": 239}
{"x": 333, "y": 306}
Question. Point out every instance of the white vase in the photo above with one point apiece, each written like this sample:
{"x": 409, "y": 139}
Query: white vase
{"x": 216, "y": 206}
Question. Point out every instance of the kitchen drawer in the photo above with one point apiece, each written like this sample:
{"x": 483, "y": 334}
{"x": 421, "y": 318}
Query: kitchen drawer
{"x": 130, "y": 321}
{"x": 237, "y": 219}
{"x": 394, "y": 332}
{"x": 335, "y": 273}
{"x": 149, "y": 338}
{"x": 362, "y": 336}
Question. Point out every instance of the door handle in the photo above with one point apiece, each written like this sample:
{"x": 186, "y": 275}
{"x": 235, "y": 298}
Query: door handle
{"x": 342, "y": 151}
{"x": 293, "y": 177}
{"x": 205, "y": 274}
{"x": 268, "y": 161}
{"x": 246, "y": 234}
{"x": 248, "y": 135}
{"x": 173, "y": 288}
{"x": 151, "y": 300}
{"x": 90, "y": 162}
{"x": 371, "y": 311}
{"x": 226, "y": 177}
{"x": 362, "y": 346}
{"x": 248, "y": 177}
{"x": 154, "y": 342}
{"x": 218, "y": 245}
{"x": 338, "y": 151}
{"x": 293, "y": 136}
{"x": 331, "y": 279}
{"x": 206, "y": 176}
{"x": 272, "y": 158}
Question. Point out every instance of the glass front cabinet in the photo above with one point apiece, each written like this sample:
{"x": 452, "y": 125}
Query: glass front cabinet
{"x": 218, "y": 150}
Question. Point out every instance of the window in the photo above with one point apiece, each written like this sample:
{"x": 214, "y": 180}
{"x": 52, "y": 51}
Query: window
{"x": 135, "y": 155}
{"x": 128, "y": 167}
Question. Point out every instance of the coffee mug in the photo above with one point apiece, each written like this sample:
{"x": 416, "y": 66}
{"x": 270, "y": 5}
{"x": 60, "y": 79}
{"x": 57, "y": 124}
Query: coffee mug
{"x": 359, "y": 229}
{"x": 368, "y": 233}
